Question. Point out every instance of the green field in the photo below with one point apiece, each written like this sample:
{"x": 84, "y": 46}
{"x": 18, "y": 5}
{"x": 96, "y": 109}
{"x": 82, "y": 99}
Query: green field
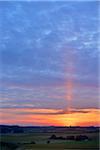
{"x": 23, "y": 141}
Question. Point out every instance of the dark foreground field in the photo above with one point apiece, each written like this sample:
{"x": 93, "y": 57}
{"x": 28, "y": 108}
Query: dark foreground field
{"x": 39, "y": 139}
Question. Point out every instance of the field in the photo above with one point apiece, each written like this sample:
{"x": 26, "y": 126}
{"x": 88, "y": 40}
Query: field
{"x": 39, "y": 140}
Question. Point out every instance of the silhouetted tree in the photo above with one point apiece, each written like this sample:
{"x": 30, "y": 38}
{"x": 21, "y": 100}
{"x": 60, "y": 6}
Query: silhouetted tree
{"x": 48, "y": 142}
{"x": 81, "y": 138}
{"x": 53, "y": 136}
{"x": 70, "y": 138}
{"x": 33, "y": 142}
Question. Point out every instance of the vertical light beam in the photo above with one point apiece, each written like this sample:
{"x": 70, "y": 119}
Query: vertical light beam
{"x": 69, "y": 71}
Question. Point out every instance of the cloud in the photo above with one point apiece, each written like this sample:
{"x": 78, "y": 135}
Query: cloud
{"x": 42, "y": 53}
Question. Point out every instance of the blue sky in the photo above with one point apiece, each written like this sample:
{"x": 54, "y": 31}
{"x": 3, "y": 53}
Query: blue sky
{"x": 43, "y": 46}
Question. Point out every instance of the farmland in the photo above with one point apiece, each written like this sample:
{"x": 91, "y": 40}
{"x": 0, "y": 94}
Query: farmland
{"x": 39, "y": 139}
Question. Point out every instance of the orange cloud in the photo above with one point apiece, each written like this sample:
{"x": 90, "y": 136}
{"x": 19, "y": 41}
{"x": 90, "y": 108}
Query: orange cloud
{"x": 44, "y": 117}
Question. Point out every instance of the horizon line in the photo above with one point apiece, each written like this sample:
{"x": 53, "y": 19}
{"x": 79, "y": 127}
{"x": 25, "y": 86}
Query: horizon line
{"x": 42, "y": 125}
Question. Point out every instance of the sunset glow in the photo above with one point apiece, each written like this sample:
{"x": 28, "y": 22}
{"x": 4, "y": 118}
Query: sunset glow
{"x": 49, "y": 63}
{"x": 51, "y": 117}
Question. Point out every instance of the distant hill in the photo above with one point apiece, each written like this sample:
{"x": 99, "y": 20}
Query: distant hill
{"x": 4, "y": 129}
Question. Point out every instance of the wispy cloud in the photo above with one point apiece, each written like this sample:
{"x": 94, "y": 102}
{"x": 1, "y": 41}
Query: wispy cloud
{"x": 44, "y": 46}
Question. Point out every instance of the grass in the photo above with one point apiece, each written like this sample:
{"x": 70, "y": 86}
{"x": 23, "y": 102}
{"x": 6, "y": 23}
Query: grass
{"x": 24, "y": 141}
{"x": 62, "y": 146}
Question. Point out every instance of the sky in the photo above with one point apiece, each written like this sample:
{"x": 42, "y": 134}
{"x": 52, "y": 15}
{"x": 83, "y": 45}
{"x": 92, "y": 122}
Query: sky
{"x": 49, "y": 63}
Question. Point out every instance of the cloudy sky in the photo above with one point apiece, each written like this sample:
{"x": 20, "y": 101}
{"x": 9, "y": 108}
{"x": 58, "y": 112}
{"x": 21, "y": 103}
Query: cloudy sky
{"x": 49, "y": 63}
